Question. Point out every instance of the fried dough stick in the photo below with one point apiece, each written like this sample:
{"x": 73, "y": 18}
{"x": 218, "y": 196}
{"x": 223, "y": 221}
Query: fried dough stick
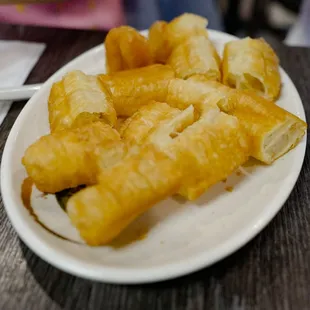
{"x": 164, "y": 37}
{"x": 131, "y": 89}
{"x": 77, "y": 93}
{"x": 126, "y": 49}
{"x": 251, "y": 64}
{"x": 72, "y": 157}
{"x": 196, "y": 55}
{"x": 137, "y": 127}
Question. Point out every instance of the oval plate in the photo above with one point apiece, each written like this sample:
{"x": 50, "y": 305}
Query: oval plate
{"x": 175, "y": 237}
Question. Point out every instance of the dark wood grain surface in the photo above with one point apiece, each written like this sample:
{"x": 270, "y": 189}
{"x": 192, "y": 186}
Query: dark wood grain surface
{"x": 270, "y": 272}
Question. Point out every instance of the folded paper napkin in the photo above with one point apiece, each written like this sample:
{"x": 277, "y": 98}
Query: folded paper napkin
{"x": 16, "y": 62}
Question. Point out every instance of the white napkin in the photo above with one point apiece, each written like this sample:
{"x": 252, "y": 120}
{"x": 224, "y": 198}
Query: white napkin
{"x": 16, "y": 62}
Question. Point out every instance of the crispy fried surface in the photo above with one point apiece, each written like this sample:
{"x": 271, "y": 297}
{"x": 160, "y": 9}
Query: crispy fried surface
{"x": 227, "y": 148}
{"x": 126, "y": 49}
{"x": 196, "y": 55}
{"x": 132, "y": 89}
{"x": 127, "y": 190}
{"x": 158, "y": 42}
{"x": 209, "y": 149}
{"x": 71, "y": 157}
{"x": 178, "y": 130}
{"x": 165, "y": 37}
{"x": 185, "y": 26}
{"x": 157, "y": 170}
{"x": 181, "y": 94}
{"x": 214, "y": 146}
{"x": 77, "y": 93}
{"x": 252, "y": 64}
{"x": 273, "y": 130}
{"x": 138, "y": 127}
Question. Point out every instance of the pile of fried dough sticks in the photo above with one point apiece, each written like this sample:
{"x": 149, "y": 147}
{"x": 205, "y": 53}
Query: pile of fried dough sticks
{"x": 169, "y": 117}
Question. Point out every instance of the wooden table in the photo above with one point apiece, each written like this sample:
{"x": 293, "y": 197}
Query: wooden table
{"x": 270, "y": 272}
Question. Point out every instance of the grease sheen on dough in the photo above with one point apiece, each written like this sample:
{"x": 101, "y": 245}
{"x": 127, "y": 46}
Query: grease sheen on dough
{"x": 252, "y": 64}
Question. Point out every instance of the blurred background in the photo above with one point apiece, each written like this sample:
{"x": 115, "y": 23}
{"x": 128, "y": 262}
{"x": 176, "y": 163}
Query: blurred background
{"x": 271, "y": 19}
{"x": 238, "y": 17}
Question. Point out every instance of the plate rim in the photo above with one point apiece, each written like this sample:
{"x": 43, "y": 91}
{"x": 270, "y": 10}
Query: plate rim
{"x": 121, "y": 275}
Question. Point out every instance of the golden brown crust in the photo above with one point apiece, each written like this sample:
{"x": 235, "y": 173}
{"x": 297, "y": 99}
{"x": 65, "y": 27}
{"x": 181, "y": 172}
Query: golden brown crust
{"x": 173, "y": 135}
{"x": 208, "y": 150}
{"x": 165, "y": 37}
{"x": 58, "y": 107}
{"x": 273, "y": 130}
{"x": 68, "y": 158}
{"x": 132, "y": 89}
{"x": 85, "y": 118}
{"x": 157, "y": 170}
{"x": 252, "y": 64}
{"x": 185, "y": 26}
{"x": 196, "y": 55}
{"x": 126, "y": 49}
{"x": 158, "y": 42}
{"x": 127, "y": 190}
{"x": 218, "y": 147}
{"x": 77, "y": 93}
{"x": 183, "y": 93}
{"x": 137, "y": 127}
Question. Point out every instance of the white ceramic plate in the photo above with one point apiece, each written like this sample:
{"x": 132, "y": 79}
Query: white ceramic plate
{"x": 182, "y": 236}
